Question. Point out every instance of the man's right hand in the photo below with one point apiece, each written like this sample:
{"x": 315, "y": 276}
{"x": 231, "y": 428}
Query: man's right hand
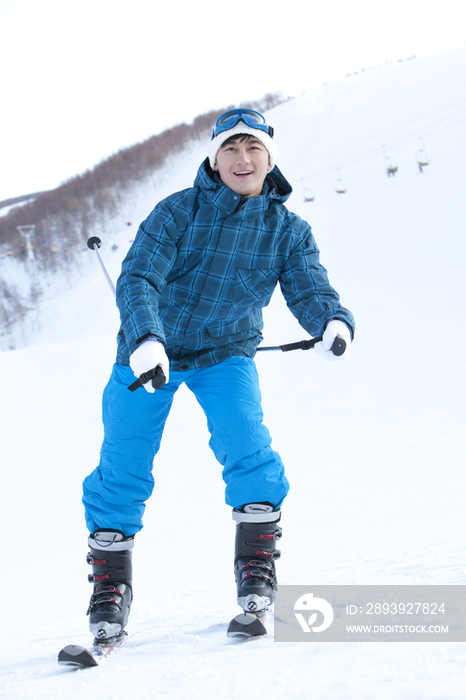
{"x": 149, "y": 355}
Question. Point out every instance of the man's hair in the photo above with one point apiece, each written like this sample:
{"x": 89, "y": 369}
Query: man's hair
{"x": 240, "y": 137}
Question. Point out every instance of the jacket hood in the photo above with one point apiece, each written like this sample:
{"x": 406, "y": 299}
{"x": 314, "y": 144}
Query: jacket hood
{"x": 276, "y": 185}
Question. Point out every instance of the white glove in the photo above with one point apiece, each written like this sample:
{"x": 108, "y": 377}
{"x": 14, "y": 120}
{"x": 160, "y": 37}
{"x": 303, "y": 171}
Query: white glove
{"x": 148, "y": 355}
{"x": 335, "y": 329}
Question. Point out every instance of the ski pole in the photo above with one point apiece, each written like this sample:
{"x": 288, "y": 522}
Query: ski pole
{"x": 94, "y": 243}
{"x": 338, "y": 347}
{"x": 156, "y": 374}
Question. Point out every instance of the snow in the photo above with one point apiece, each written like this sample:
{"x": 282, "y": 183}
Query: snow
{"x": 374, "y": 445}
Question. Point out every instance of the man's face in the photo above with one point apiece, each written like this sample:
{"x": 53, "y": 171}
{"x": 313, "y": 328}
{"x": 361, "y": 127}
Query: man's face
{"x": 243, "y": 165}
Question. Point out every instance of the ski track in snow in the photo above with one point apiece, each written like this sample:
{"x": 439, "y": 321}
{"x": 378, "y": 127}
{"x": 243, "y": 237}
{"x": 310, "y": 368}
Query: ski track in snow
{"x": 374, "y": 446}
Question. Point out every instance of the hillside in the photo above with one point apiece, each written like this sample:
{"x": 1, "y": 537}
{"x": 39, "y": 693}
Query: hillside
{"x": 43, "y": 234}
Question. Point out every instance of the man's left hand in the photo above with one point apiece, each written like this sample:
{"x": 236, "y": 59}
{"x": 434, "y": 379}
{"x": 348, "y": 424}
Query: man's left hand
{"x": 335, "y": 329}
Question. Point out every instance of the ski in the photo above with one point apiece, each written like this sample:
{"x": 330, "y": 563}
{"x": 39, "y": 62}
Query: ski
{"x": 78, "y": 656}
{"x": 246, "y": 625}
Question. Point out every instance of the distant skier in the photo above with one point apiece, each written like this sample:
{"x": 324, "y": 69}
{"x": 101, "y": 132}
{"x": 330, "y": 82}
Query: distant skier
{"x": 202, "y": 266}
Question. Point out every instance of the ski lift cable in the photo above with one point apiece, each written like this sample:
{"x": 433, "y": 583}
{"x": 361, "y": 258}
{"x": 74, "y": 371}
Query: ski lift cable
{"x": 382, "y": 133}
{"x": 401, "y": 141}
{"x": 392, "y": 128}
{"x": 411, "y": 133}
{"x": 349, "y": 161}
{"x": 397, "y": 143}
{"x": 414, "y": 135}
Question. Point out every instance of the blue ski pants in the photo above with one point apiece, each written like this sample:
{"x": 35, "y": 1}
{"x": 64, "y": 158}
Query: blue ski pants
{"x": 115, "y": 493}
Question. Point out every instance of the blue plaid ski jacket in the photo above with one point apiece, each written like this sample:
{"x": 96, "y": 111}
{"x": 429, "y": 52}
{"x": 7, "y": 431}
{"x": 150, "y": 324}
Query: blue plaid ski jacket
{"x": 206, "y": 261}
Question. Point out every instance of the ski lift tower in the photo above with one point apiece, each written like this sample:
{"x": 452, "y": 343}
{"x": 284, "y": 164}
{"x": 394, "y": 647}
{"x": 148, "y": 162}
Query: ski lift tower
{"x": 27, "y": 232}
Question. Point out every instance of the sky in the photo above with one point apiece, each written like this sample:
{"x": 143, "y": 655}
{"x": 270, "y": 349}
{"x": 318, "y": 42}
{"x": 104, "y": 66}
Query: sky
{"x": 82, "y": 80}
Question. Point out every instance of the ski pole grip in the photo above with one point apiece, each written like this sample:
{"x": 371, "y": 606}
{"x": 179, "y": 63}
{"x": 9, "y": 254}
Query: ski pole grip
{"x": 159, "y": 379}
{"x": 93, "y": 242}
{"x": 339, "y": 346}
{"x": 156, "y": 375}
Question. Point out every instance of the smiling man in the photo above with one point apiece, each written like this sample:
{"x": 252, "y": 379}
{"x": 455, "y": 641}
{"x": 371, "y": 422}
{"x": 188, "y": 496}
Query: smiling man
{"x": 243, "y": 163}
{"x": 191, "y": 291}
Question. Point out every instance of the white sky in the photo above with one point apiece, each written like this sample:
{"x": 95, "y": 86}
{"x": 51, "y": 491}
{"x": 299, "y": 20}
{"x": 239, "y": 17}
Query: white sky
{"x": 82, "y": 79}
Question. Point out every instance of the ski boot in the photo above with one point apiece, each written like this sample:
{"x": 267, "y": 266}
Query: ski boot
{"x": 110, "y": 603}
{"x": 257, "y": 531}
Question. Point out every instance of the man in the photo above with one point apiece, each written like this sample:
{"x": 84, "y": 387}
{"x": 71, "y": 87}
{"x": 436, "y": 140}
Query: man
{"x": 203, "y": 265}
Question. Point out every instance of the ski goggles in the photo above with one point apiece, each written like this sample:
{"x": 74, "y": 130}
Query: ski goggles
{"x": 249, "y": 116}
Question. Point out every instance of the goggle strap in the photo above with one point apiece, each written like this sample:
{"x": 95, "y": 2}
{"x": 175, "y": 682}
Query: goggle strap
{"x": 270, "y": 129}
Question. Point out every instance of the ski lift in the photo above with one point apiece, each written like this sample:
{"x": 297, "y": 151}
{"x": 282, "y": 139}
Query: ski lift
{"x": 308, "y": 192}
{"x": 421, "y": 157}
{"x": 390, "y": 164}
{"x": 340, "y": 187}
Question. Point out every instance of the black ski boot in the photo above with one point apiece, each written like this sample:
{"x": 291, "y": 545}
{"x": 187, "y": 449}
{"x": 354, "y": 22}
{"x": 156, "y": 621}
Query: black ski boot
{"x": 257, "y": 531}
{"x": 110, "y": 603}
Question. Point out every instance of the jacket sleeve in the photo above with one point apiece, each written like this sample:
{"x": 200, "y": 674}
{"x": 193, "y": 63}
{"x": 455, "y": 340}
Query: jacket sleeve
{"x": 305, "y": 285}
{"x": 144, "y": 274}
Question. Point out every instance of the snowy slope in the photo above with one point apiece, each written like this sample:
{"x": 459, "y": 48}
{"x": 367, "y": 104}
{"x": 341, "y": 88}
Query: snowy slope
{"x": 374, "y": 446}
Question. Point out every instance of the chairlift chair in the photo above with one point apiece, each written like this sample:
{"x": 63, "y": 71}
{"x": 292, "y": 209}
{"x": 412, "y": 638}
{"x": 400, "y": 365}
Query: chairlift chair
{"x": 340, "y": 187}
{"x": 422, "y": 159}
{"x": 390, "y": 164}
{"x": 392, "y": 168}
{"x": 308, "y": 192}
